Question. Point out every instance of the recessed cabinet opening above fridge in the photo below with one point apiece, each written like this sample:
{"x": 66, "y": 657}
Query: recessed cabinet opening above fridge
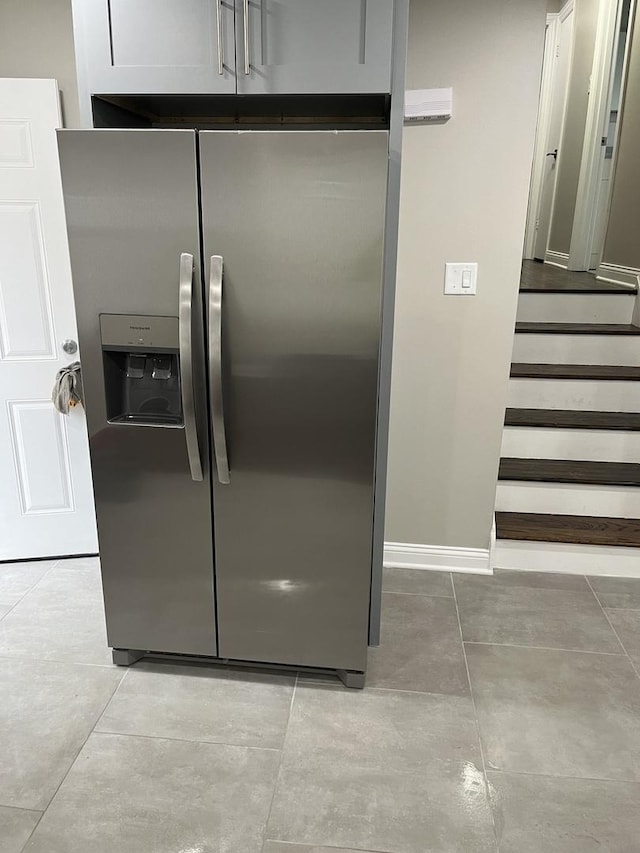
{"x": 231, "y": 281}
{"x": 234, "y": 112}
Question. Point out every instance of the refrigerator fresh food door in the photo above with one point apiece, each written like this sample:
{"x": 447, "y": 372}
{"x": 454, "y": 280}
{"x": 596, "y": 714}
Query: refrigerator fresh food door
{"x": 131, "y": 200}
{"x": 293, "y": 233}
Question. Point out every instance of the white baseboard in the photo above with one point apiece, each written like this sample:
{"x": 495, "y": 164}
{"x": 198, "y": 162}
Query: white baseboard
{"x": 617, "y": 274}
{"x": 602, "y": 560}
{"x": 400, "y": 555}
{"x": 557, "y": 259}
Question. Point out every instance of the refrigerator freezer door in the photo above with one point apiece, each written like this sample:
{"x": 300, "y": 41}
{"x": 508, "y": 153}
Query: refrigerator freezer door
{"x": 298, "y": 218}
{"x": 132, "y": 211}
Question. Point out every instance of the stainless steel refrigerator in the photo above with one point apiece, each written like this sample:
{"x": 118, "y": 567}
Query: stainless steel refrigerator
{"x": 228, "y": 291}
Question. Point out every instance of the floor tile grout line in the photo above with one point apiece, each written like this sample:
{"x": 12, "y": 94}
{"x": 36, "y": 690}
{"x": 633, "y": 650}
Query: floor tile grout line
{"x": 339, "y": 686}
{"x": 636, "y": 668}
{"x": 184, "y": 740}
{"x": 420, "y": 595}
{"x": 10, "y": 606}
{"x": 25, "y": 659}
{"x": 277, "y": 774}
{"x": 544, "y": 648}
{"x": 115, "y": 692}
{"x": 606, "y": 616}
{"x": 69, "y": 769}
{"x": 20, "y": 808}
{"x": 31, "y": 588}
{"x": 475, "y": 719}
{"x": 593, "y": 592}
{"x": 324, "y": 846}
{"x": 565, "y": 776}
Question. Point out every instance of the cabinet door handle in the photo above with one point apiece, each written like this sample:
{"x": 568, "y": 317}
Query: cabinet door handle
{"x": 215, "y": 368}
{"x": 220, "y": 37}
{"x": 247, "y": 65}
{"x": 186, "y": 365}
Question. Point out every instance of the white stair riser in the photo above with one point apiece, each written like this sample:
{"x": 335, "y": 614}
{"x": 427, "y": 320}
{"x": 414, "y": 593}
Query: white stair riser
{"x": 576, "y": 349}
{"x": 586, "y": 444}
{"x": 568, "y": 499}
{"x": 575, "y": 307}
{"x": 593, "y": 395}
{"x": 561, "y": 557}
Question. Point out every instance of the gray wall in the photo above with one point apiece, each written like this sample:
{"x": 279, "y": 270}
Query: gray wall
{"x": 584, "y": 34}
{"x": 554, "y": 5}
{"x": 36, "y": 40}
{"x": 464, "y": 198}
{"x": 622, "y": 245}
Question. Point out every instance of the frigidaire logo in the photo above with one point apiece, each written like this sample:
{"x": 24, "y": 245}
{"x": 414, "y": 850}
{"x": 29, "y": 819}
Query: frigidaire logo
{"x": 141, "y": 328}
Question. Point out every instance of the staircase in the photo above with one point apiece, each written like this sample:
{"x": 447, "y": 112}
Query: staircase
{"x": 568, "y": 494}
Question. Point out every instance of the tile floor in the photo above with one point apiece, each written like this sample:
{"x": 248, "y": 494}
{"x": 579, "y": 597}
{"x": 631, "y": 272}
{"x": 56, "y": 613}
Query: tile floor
{"x": 524, "y": 738}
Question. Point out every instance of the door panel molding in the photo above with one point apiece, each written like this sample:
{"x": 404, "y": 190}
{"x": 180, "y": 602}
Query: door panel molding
{"x": 41, "y": 454}
{"x": 16, "y": 146}
{"x": 25, "y": 286}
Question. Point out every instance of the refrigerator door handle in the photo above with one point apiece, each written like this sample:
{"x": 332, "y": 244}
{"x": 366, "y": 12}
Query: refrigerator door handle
{"x": 186, "y": 365}
{"x": 247, "y": 63}
{"x": 215, "y": 368}
{"x": 220, "y": 37}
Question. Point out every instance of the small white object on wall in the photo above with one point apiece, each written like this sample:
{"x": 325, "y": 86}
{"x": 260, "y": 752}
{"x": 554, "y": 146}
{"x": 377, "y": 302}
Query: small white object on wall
{"x": 461, "y": 279}
{"x": 428, "y": 104}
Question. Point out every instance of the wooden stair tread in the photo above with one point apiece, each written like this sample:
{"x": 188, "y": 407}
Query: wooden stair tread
{"x": 575, "y": 529}
{"x": 577, "y": 329}
{"x": 597, "y": 287}
{"x": 537, "y": 277}
{"x": 574, "y": 371}
{"x": 570, "y": 471}
{"x": 572, "y": 419}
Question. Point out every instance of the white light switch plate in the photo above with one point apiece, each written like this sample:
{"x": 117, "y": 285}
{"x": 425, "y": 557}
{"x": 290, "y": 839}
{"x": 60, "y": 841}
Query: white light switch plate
{"x": 460, "y": 279}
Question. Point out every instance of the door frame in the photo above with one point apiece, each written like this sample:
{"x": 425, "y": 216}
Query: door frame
{"x": 545, "y": 107}
{"x": 621, "y": 275}
{"x": 597, "y": 121}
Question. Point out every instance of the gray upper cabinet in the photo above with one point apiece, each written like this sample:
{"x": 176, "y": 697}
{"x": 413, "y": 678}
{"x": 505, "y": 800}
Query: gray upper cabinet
{"x": 313, "y": 46}
{"x": 226, "y": 46}
{"x": 155, "y": 46}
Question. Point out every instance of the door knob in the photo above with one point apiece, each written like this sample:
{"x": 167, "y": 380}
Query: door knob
{"x": 69, "y": 346}
{"x": 553, "y": 154}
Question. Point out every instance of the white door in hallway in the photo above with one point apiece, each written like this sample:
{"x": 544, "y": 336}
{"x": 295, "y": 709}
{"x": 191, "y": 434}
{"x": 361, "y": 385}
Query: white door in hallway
{"x": 558, "y": 51}
{"x": 46, "y": 495}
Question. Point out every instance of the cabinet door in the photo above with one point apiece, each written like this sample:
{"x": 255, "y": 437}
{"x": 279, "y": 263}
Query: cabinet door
{"x": 156, "y": 46}
{"x": 308, "y": 46}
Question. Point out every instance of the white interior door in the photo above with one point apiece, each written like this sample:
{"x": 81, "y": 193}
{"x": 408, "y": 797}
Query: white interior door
{"x": 46, "y": 495}
{"x": 561, "y": 56}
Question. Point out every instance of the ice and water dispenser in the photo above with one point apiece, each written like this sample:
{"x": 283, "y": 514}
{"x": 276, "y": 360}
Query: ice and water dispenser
{"x": 141, "y": 370}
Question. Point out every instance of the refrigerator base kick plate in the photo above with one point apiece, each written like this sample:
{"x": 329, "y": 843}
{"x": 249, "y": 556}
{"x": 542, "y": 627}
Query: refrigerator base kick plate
{"x": 350, "y": 678}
